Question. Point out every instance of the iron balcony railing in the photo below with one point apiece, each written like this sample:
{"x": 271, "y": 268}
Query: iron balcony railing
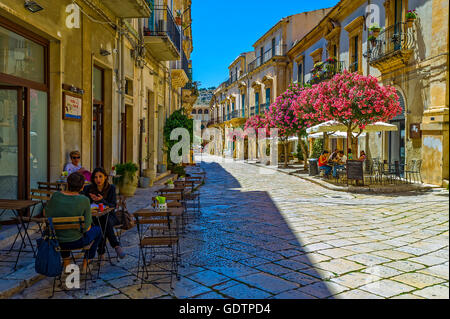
{"x": 394, "y": 38}
{"x": 279, "y": 50}
{"x": 233, "y": 78}
{"x": 162, "y": 23}
{"x": 183, "y": 64}
{"x": 326, "y": 71}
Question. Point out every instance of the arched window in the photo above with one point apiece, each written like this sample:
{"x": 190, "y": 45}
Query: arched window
{"x": 200, "y": 112}
{"x": 401, "y": 99}
{"x": 206, "y": 112}
{"x": 194, "y": 111}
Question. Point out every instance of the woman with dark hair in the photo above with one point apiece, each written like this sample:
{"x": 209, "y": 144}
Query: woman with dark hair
{"x": 70, "y": 203}
{"x": 101, "y": 192}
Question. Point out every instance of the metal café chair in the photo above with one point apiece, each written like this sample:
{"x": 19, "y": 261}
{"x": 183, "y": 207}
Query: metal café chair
{"x": 165, "y": 247}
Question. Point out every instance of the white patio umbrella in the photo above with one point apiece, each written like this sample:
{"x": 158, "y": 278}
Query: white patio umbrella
{"x": 334, "y": 135}
{"x": 334, "y": 126}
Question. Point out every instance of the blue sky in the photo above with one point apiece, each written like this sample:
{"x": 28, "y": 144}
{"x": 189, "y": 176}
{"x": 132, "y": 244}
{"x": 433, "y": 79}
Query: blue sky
{"x": 222, "y": 29}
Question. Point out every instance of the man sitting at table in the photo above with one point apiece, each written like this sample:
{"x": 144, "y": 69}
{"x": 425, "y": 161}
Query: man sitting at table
{"x": 342, "y": 160}
{"x": 70, "y": 203}
{"x": 323, "y": 163}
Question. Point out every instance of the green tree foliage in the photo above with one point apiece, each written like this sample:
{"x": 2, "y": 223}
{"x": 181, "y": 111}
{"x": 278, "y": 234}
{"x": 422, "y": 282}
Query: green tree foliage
{"x": 178, "y": 119}
{"x": 317, "y": 148}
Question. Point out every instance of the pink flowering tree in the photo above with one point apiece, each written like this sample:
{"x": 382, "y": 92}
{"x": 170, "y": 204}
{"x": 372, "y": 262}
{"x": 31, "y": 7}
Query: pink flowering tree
{"x": 286, "y": 116}
{"x": 353, "y": 100}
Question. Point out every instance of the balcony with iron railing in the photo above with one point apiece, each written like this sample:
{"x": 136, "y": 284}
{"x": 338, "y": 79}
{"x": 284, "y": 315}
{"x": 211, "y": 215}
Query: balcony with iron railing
{"x": 127, "y": 9}
{"x": 180, "y": 71}
{"x": 393, "y": 46}
{"x": 279, "y": 50}
{"x": 326, "y": 70}
{"x": 162, "y": 36}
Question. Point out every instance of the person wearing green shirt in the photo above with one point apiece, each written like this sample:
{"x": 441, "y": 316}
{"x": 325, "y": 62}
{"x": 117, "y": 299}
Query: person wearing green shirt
{"x": 70, "y": 203}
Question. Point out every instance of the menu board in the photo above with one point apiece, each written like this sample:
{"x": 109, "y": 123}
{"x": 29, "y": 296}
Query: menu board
{"x": 71, "y": 106}
{"x": 355, "y": 170}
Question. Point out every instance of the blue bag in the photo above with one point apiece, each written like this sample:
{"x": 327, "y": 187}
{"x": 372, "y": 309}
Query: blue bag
{"x": 48, "y": 258}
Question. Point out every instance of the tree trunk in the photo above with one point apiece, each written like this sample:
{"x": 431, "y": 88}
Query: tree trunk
{"x": 285, "y": 144}
{"x": 304, "y": 151}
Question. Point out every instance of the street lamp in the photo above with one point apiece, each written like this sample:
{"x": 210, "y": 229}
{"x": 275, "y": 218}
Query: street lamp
{"x": 32, "y": 6}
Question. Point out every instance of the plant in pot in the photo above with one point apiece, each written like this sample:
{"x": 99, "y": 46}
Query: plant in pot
{"x": 161, "y": 206}
{"x": 126, "y": 178}
{"x": 411, "y": 16}
{"x": 372, "y": 39}
{"x": 375, "y": 29}
{"x": 178, "y": 17}
{"x": 170, "y": 184}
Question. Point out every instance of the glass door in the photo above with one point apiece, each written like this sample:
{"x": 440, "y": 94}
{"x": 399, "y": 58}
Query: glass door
{"x": 11, "y": 142}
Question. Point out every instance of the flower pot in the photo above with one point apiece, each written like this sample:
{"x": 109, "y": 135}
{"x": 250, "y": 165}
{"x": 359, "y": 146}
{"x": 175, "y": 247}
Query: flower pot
{"x": 170, "y": 186}
{"x": 144, "y": 182}
{"x": 410, "y": 22}
{"x": 161, "y": 207}
{"x": 178, "y": 20}
{"x": 376, "y": 32}
{"x": 128, "y": 186}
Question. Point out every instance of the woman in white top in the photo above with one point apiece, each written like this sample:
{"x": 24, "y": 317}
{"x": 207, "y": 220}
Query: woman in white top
{"x": 75, "y": 165}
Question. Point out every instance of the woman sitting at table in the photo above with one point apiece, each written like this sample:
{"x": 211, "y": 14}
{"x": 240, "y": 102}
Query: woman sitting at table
{"x": 362, "y": 156}
{"x": 70, "y": 203}
{"x": 101, "y": 192}
{"x": 323, "y": 163}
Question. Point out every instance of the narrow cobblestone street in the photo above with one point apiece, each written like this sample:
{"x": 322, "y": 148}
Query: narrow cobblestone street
{"x": 264, "y": 234}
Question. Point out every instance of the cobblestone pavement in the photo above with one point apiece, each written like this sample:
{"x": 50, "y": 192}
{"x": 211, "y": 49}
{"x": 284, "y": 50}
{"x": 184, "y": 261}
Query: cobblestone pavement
{"x": 272, "y": 235}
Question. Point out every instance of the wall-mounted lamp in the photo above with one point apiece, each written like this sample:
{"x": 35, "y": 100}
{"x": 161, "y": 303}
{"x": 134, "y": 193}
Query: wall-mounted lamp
{"x": 104, "y": 52}
{"x": 32, "y": 6}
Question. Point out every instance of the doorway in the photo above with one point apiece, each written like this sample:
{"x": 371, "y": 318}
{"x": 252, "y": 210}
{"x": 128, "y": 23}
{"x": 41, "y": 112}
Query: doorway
{"x": 97, "y": 116}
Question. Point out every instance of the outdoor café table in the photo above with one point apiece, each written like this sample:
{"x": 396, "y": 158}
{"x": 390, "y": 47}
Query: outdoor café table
{"x": 20, "y": 209}
{"x": 97, "y": 214}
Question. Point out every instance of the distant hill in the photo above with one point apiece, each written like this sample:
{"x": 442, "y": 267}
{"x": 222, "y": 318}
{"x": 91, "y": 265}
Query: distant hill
{"x": 205, "y": 96}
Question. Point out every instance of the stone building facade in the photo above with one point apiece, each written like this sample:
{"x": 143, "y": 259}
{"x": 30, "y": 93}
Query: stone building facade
{"x": 96, "y": 76}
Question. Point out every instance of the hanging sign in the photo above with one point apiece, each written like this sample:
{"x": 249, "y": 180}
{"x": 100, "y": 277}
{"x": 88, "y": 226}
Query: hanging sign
{"x": 72, "y": 106}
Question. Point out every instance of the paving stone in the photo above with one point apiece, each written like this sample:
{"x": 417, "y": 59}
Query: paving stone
{"x": 434, "y": 292}
{"x": 440, "y": 271}
{"x": 123, "y": 281}
{"x": 386, "y": 288}
{"x": 292, "y": 264}
{"x": 356, "y": 294}
{"x": 273, "y": 269}
{"x": 299, "y": 278}
{"x": 255, "y": 261}
{"x": 316, "y": 247}
{"x": 95, "y": 291}
{"x": 417, "y": 280}
{"x": 268, "y": 283}
{"x": 382, "y": 271}
{"x": 210, "y": 295}
{"x": 405, "y": 265}
{"x": 355, "y": 279}
{"x": 148, "y": 291}
{"x": 367, "y": 259}
{"x": 337, "y": 252}
{"x": 242, "y": 291}
{"x": 318, "y": 289}
{"x": 392, "y": 254}
{"x": 293, "y": 294}
{"x": 209, "y": 278}
{"x": 339, "y": 266}
{"x": 429, "y": 260}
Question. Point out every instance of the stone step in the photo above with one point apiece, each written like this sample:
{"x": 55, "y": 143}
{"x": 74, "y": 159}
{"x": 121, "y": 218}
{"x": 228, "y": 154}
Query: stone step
{"x": 160, "y": 176}
{"x": 164, "y": 180}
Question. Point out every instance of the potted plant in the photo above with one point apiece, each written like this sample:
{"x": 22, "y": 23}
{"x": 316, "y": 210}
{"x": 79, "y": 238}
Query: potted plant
{"x": 162, "y": 205}
{"x": 178, "y": 17}
{"x": 170, "y": 184}
{"x": 411, "y": 16}
{"x": 182, "y": 178}
{"x": 375, "y": 29}
{"x": 126, "y": 178}
{"x": 372, "y": 39}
